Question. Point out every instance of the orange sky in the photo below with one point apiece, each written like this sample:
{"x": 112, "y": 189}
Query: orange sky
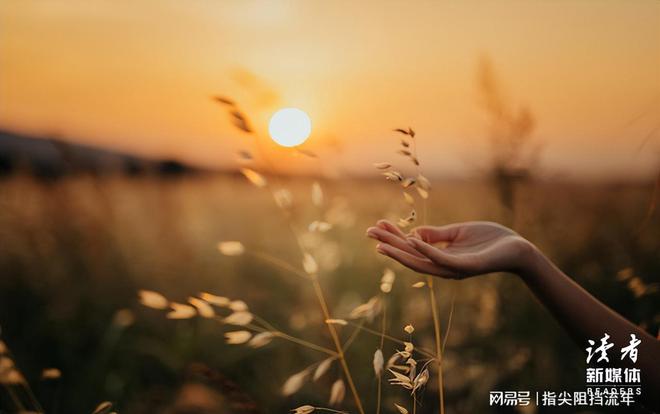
{"x": 137, "y": 75}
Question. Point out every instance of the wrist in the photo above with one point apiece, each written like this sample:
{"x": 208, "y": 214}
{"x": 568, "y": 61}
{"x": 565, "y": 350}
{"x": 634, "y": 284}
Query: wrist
{"x": 529, "y": 261}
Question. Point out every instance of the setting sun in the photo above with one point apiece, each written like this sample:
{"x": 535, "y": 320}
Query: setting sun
{"x": 290, "y": 127}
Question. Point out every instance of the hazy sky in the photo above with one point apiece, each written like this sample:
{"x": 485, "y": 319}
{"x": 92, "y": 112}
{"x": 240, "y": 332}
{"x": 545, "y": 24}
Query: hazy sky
{"x": 137, "y": 75}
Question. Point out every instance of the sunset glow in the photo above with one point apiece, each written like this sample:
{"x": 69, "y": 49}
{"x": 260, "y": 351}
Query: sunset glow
{"x": 137, "y": 76}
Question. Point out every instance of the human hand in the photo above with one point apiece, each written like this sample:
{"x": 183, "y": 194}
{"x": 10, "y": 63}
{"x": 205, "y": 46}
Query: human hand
{"x": 468, "y": 249}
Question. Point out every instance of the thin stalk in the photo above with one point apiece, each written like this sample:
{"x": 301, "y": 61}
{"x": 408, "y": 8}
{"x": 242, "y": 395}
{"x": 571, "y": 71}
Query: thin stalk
{"x": 335, "y": 339}
{"x": 33, "y": 398}
{"x": 17, "y": 401}
{"x": 28, "y": 391}
{"x": 318, "y": 291}
{"x": 326, "y": 313}
{"x": 321, "y": 299}
{"x": 438, "y": 342}
{"x": 290, "y": 338}
{"x": 352, "y": 338}
{"x": 304, "y": 343}
{"x": 382, "y": 327}
{"x": 382, "y": 341}
{"x": 380, "y": 393}
{"x": 281, "y": 264}
{"x": 434, "y": 307}
{"x": 393, "y": 339}
{"x": 449, "y": 319}
{"x": 360, "y": 327}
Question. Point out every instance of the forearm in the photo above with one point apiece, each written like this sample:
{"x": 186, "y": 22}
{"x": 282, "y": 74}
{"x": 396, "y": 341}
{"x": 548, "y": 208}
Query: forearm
{"x": 584, "y": 317}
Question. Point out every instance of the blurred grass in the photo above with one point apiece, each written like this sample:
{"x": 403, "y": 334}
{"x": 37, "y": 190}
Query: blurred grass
{"x": 74, "y": 252}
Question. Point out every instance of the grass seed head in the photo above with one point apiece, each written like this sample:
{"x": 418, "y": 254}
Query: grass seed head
{"x": 400, "y": 409}
{"x": 317, "y": 194}
{"x": 294, "y": 383}
{"x": 304, "y": 409}
{"x": 322, "y": 368}
{"x": 181, "y": 311}
{"x": 203, "y": 308}
{"x": 309, "y": 264}
{"x": 393, "y": 175}
{"x": 214, "y": 299}
{"x": 238, "y": 306}
{"x": 231, "y": 248}
{"x": 378, "y": 362}
{"x": 337, "y": 392}
{"x": 283, "y": 198}
{"x": 152, "y": 299}
{"x": 254, "y": 177}
{"x": 240, "y": 318}
{"x": 341, "y": 322}
{"x": 237, "y": 337}
{"x": 320, "y": 226}
{"x": 51, "y": 373}
{"x": 407, "y": 182}
{"x": 423, "y": 193}
{"x": 386, "y": 281}
{"x": 261, "y": 339}
{"x": 103, "y": 408}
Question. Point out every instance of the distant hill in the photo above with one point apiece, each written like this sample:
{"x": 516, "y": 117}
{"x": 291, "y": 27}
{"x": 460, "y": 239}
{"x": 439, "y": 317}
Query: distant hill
{"x": 51, "y": 158}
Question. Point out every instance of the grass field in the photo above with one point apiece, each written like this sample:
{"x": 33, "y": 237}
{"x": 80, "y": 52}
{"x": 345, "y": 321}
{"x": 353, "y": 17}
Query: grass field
{"x": 75, "y": 252}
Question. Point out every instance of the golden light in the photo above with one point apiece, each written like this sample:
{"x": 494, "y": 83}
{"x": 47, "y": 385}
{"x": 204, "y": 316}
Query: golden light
{"x": 290, "y": 127}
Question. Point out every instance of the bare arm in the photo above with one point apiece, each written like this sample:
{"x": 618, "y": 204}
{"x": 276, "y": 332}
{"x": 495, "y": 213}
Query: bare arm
{"x": 470, "y": 249}
{"x": 584, "y": 317}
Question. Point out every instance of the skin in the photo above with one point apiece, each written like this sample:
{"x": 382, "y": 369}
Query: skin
{"x": 463, "y": 250}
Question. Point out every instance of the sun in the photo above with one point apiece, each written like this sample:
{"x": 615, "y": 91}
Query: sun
{"x": 290, "y": 127}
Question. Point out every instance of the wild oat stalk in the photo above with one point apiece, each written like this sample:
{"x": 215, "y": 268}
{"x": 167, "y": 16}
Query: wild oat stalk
{"x": 256, "y": 332}
{"x": 408, "y": 148}
{"x": 405, "y": 373}
{"x": 283, "y": 200}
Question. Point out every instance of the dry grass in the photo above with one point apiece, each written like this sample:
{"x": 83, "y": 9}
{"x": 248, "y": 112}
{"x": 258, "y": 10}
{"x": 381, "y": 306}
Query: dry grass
{"x": 85, "y": 238}
{"x": 260, "y": 332}
{"x": 82, "y": 252}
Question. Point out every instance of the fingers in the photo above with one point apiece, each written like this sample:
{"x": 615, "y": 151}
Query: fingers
{"x": 434, "y": 234}
{"x": 391, "y": 239}
{"x": 391, "y": 227}
{"x": 413, "y": 262}
{"x": 437, "y": 256}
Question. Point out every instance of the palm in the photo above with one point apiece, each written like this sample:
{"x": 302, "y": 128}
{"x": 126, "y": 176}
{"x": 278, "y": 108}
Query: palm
{"x": 482, "y": 247}
{"x": 453, "y": 251}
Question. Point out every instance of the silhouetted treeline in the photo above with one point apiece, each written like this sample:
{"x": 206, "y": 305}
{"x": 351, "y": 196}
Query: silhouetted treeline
{"x": 52, "y": 158}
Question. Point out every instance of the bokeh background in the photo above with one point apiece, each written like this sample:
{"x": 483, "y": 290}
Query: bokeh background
{"x": 119, "y": 172}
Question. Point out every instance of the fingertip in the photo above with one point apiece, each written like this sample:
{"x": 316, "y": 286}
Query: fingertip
{"x": 375, "y": 233}
{"x": 380, "y": 247}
